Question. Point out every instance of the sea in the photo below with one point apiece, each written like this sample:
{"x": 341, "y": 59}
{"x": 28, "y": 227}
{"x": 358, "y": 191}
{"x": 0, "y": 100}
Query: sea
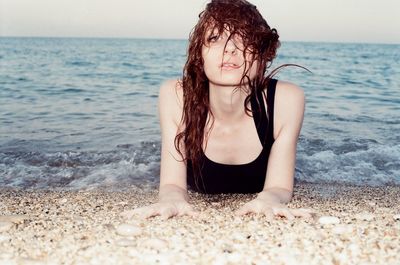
{"x": 81, "y": 113}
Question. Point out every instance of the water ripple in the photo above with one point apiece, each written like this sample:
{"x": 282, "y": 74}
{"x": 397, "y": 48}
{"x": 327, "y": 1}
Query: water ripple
{"x": 76, "y": 112}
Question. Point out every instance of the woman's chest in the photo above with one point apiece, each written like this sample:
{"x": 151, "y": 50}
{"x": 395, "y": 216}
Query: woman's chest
{"x": 238, "y": 144}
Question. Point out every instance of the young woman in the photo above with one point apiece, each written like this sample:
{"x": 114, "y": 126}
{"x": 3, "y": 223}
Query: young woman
{"x": 227, "y": 126}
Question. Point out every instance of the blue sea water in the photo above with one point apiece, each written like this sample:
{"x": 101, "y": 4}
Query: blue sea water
{"x": 81, "y": 113}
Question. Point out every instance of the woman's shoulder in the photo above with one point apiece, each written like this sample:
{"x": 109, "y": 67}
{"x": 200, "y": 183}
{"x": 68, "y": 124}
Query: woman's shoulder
{"x": 289, "y": 95}
{"x": 287, "y": 89}
{"x": 170, "y": 99}
{"x": 289, "y": 104}
{"x": 171, "y": 89}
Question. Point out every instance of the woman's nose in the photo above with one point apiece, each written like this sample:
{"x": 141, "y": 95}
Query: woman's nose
{"x": 230, "y": 47}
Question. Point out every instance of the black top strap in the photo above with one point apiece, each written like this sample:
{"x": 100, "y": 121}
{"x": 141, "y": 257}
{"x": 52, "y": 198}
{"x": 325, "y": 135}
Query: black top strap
{"x": 270, "y": 102}
{"x": 263, "y": 123}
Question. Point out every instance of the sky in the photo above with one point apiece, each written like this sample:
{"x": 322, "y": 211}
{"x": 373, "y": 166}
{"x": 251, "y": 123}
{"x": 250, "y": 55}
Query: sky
{"x": 367, "y": 21}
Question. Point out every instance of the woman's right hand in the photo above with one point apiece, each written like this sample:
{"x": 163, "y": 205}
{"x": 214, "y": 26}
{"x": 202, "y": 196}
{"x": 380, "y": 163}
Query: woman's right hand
{"x": 164, "y": 208}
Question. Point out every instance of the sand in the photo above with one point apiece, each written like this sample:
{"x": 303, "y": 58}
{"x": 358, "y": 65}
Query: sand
{"x": 53, "y": 227}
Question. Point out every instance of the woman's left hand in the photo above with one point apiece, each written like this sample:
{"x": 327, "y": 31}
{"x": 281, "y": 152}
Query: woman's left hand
{"x": 272, "y": 209}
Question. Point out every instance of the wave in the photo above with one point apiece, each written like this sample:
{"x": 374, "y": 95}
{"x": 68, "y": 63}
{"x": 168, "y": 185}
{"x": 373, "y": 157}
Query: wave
{"x": 116, "y": 169}
{"x": 369, "y": 164}
{"x": 364, "y": 163}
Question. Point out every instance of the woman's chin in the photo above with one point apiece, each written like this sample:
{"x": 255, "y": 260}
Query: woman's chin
{"x": 228, "y": 81}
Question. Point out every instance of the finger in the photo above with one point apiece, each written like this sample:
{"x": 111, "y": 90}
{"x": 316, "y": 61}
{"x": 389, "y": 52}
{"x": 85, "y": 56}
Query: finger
{"x": 308, "y": 210}
{"x": 145, "y": 212}
{"x": 288, "y": 214}
{"x": 301, "y": 213}
{"x": 188, "y": 210}
{"x": 243, "y": 210}
{"x": 149, "y": 212}
{"x": 269, "y": 215}
{"x": 167, "y": 213}
{"x": 127, "y": 214}
{"x": 283, "y": 212}
{"x": 195, "y": 214}
{"x": 130, "y": 213}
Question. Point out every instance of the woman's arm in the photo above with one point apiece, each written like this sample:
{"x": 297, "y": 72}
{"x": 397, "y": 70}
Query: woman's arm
{"x": 278, "y": 186}
{"x": 173, "y": 169}
{"x": 289, "y": 114}
{"x": 172, "y": 198}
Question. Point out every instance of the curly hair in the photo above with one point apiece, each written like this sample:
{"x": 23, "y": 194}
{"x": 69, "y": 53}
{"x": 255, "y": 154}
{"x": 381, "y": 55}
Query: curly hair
{"x": 259, "y": 40}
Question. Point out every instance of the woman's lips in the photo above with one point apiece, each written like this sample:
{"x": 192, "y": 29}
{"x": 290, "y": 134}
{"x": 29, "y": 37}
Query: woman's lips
{"x": 229, "y": 66}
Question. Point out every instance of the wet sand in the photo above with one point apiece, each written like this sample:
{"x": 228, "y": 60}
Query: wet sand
{"x": 53, "y": 227}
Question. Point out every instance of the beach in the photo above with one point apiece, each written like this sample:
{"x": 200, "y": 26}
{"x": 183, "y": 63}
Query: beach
{"x": 86, "y": 227}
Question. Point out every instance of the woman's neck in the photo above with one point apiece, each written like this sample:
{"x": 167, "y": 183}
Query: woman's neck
{"x": 227, "y": 102}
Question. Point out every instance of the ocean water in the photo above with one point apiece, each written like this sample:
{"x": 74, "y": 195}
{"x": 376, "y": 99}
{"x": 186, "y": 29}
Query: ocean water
{"x": 81, "y": 114}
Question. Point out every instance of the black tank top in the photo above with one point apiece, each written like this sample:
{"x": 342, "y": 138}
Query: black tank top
{"x": 242, "y": 178}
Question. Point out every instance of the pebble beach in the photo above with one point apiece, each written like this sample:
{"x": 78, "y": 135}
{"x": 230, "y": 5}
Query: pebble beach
{"x": 353, "y": 225}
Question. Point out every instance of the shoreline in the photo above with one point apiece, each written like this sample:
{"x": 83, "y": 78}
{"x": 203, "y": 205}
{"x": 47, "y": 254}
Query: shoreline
{"x": 85, "y": 227}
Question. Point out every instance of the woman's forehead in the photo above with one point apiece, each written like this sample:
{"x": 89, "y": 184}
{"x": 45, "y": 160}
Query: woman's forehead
{"x": 216, "y": 27}
{"x": 225, "y": 29}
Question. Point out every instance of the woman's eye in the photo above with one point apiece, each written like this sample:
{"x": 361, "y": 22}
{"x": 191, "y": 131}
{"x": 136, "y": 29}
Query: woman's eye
{"x": 213, "y": 38}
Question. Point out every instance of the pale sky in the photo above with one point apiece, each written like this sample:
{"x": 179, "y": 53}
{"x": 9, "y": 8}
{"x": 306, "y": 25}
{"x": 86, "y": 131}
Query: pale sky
{"x": 376, "y": 21}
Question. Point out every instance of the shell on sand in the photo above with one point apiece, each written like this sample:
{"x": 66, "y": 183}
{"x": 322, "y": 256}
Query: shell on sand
{"x": 123, "y": 242}
{"x": 4, "y": 238}
{"x": 5, "y": 226}
{"x": 17, "y": 218}
{"x": 28, "y": 261}
{"x": 128, "y": 230}
{"x": 325, "y": 220}
{"x": 365, "y": 216}
{"x": 342, "y": 229}
{"x": 63, "y": 200}
{"x": 155, "y": 243}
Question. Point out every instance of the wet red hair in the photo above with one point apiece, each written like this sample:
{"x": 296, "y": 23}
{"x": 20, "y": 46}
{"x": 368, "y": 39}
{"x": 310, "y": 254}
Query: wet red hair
{"x": 259, "y": 40}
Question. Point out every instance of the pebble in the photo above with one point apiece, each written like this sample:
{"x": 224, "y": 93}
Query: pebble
{"x": 320, "y": 236}
{"x": 109, "y": 227}
{"x": 4, "y": 238}
{"x": 8, "y": 262}
{"x": 28, "y": 261}
{"x": 18, "y": 218}
{"x": 63, "y": 201}
{"x": 127, "y": 214}
{"x": 342, "y": 229}
{"x": 123, "y": 242}
{"x": 365, "y": 216}
{"x": 325, "y": 220}
{"x": 354, "y": 248}
{"x": 4, "y": 255}
{"x": 155, "y": 243}
{"x": 128, "y": 230}
{"x": 78, "y": 218}
{"x": 5, "y": 226}
{"x": 390, "y": 232}
{"x": 396, "y": 217}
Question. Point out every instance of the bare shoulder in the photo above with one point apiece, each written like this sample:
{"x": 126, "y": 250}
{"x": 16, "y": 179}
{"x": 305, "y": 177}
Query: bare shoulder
{"x": 289, "y": 97}
{"x": 170, "y": 100}
{"x": 171, "y": 88}
{"x": 289, "y": 91}
{"x": 289, "y": 105}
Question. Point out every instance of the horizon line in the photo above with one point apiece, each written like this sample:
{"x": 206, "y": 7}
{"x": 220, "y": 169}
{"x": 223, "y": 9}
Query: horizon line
{"x": 185, "y": 39}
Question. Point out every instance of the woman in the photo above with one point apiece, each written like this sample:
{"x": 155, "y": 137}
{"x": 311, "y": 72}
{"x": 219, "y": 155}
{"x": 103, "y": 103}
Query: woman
{"x": 227, "y": 127}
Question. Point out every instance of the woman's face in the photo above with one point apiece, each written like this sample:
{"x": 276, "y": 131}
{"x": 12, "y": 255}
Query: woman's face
{"x": 224, "y": 63}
